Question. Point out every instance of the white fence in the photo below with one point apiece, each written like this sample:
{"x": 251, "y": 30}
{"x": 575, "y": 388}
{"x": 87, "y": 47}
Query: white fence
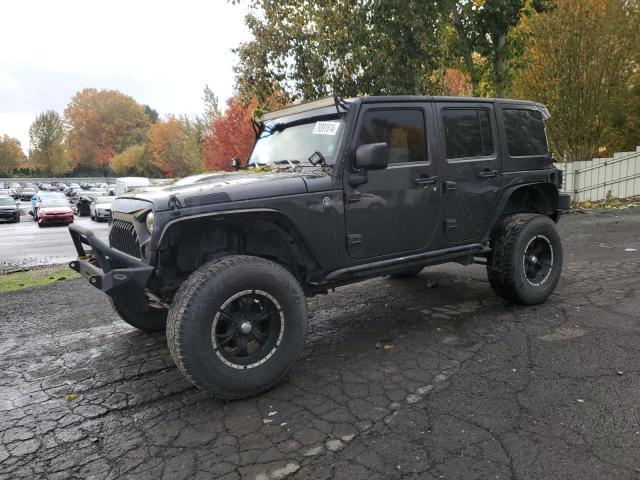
{"x": 593, "y": 179}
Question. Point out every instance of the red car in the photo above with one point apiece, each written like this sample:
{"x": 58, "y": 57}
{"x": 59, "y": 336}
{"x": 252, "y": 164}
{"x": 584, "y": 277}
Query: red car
{"x": 54, "y": 210}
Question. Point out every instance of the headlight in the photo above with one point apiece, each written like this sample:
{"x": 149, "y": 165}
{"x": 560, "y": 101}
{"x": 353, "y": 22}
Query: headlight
{"x": 149, "y": 221}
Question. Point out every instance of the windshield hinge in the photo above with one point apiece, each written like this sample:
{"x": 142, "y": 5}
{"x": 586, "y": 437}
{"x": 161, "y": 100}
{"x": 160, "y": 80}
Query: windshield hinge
{"x": 174, "y": 202}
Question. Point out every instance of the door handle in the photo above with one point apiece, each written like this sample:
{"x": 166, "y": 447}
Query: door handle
{"x": 486, "y": 173}
{"x": 424, "y": 180}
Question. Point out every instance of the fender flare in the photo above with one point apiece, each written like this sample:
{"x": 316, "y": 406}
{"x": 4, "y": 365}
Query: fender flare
{"x": 506, "y": 196}
{"x": 278, "y": 218}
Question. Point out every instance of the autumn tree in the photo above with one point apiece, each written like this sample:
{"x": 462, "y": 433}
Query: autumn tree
{"x": 309, "y": 49}
{"x": 103, "y": 123}
{"x": 174, "y": 148}
{"x": 579, "y": 62}
{"x": 46, "y": 144}
{"x": 232, "y": 135}
{"x": 11, "y": 154}
{"x": 136, "y": 160}
{"x": 482, "y": 38}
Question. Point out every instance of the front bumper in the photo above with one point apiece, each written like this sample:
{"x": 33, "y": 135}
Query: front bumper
{"x": 564, "y": 202}
{"x": 121, "y": 276}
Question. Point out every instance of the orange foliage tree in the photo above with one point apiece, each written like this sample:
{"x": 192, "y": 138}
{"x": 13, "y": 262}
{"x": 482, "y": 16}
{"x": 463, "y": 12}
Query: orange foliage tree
{"x": 174, "y": 147}
{"x": 232, "y": 135}
{"x": 101, "y": 124}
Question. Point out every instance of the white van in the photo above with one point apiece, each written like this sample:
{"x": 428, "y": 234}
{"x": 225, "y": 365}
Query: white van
{"x": 128, "y": 184}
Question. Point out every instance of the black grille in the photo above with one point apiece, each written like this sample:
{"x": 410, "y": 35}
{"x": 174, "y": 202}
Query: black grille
{"x": 124, "y": 238}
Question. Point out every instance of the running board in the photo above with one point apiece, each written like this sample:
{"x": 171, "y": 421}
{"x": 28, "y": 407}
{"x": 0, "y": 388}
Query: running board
{"x": 426, "y": 257}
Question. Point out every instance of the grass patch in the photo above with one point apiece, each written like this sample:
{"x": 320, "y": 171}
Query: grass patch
{"x": 11, "y": 282}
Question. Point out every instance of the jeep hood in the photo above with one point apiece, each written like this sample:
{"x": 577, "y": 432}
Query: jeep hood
{"x": 233, "y": 187}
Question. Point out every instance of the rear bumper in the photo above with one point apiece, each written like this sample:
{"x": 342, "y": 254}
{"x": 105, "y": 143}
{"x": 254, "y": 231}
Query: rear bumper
{"x": 121, "y": 276}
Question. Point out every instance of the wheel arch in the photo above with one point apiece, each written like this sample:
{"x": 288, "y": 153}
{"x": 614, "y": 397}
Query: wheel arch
{"x": 538, "y": 197}
{"x": 262, "y": 233}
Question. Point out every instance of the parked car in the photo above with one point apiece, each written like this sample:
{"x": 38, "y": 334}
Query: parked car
{"x": 54, "y": 211}
{"x": 129, "y": 184}
{"x": 9, "y": 209}
{"x": 27, "y": 192}
{"x": 83, "y": 198}
{"x": 100, "y": 208}
{"x": 225, "y": 266}
{"x": 39, "y": 197}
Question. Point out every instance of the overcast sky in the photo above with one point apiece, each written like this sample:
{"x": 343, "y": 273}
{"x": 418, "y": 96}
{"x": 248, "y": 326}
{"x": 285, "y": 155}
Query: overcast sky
{"x": 161, "y": 53}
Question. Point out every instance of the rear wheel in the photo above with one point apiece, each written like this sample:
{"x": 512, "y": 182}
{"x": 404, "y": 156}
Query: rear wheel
{"x": 237, "y": 325}
{"x": 526, "y": 258}
{"x": 154, "y": 320}
{"x": 17, "y": 219}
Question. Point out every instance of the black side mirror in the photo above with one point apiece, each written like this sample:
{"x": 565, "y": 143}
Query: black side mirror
{"x": 372, "y": 156}
{"x": 235, "y": 163}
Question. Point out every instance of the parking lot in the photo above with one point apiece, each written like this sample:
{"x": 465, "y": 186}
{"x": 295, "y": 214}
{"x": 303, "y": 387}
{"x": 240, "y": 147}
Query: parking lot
{"x": 428, "y": 378}
{"x": 24, "y": 244}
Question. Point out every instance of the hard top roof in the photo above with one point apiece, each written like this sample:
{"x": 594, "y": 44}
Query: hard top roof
{"x": 329, "y": 101}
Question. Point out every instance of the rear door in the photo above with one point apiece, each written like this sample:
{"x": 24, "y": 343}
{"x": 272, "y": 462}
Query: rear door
{"x": 472, "y": 176}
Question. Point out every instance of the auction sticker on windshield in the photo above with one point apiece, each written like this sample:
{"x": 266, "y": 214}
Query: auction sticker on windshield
{"x": 326, "y": 128}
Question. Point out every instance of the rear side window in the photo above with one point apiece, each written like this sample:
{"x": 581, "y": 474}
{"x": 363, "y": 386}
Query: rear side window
{"x": 467, "y": 132}
{"x": 525, "y": 132}
{"x": 402, "y": 130}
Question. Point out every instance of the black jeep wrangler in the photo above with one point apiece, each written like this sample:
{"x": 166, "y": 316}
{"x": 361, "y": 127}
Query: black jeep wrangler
{"x": 334, "y": 192}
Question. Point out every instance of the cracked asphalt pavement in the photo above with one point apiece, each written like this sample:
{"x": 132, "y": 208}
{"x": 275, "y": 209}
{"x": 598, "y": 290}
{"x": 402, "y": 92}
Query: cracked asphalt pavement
{"x": 428, "y": 378}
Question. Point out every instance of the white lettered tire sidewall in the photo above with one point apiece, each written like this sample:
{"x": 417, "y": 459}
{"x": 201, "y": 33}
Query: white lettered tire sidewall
{"x": 189, "y": 326}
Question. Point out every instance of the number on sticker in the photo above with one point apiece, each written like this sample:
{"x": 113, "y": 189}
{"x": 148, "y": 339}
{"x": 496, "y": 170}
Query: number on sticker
{"x": 326, "y": 128}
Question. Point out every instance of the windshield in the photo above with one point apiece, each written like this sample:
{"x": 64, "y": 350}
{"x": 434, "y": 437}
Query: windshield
{"x": 282, "y": 145}
{"x": 55, "y": 202}
{"x": 7, "y": 201}
{"x": 104, "y": 199}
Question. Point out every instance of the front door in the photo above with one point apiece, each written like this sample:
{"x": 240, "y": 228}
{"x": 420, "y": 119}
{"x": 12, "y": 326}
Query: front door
{"x": 472, "y": 176}
{"x": 398, "y": 209}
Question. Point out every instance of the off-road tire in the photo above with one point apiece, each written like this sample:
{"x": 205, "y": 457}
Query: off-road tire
{"x": 154, "y": 320}
{"x": 506, "y": 262}
{"x": 198, "y": 302}
{"x": 410, "y": 273}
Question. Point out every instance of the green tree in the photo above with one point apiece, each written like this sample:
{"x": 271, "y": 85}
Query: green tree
{"x": 482, "y": 39}
{"x": 11, "y": 155}
{"x": 311, "y": 48}
{"x": 152, "y": 113}
{"x": 46, "y": 142}
{"x": 201, "y": 126}
{"x": 580, "y": 61}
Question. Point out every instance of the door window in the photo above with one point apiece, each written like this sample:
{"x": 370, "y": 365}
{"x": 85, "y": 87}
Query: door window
{"x": 402, "y": 130}
{"x": 525, "y": 132}
{"x": 467, "y": 132}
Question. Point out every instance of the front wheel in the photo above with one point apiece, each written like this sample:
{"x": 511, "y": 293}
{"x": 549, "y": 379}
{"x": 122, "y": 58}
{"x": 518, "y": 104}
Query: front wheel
{"x": 526, "y": 258}
{"x": 237, "y": 325}
{"x": 153, "y": 320}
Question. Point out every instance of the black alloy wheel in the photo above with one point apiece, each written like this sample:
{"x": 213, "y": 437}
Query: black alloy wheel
{"x": 248, "y": 329}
